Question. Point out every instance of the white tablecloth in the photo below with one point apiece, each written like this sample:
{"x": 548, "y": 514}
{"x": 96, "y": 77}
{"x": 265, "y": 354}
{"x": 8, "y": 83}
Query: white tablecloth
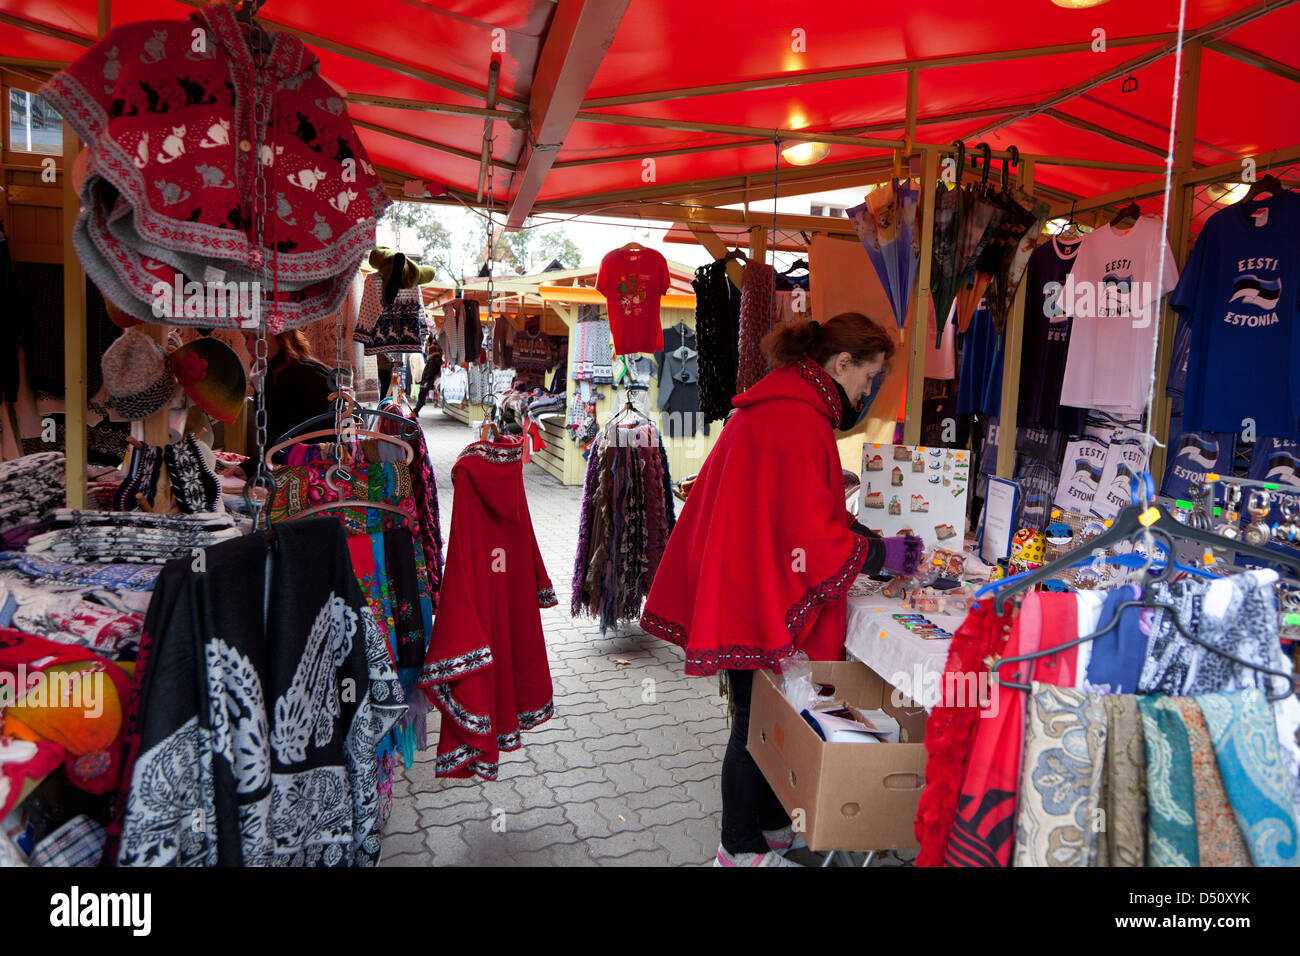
{"x": 911, "y": 663}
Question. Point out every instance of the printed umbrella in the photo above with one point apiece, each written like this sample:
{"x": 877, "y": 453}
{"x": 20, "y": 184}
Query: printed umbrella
{"x": 943, "y": 268}
{"x": 1002, "y": 290}
{"x": 886, "y": 226}
{"x": 982, "y": 214}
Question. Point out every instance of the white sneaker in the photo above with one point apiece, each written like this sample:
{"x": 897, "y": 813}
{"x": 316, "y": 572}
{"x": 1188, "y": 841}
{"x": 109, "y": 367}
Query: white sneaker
{"x": 770, "y": 858}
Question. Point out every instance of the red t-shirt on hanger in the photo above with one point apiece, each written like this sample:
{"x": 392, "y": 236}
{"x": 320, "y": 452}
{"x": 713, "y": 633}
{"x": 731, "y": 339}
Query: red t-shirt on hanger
{"x": 632, "y": 280}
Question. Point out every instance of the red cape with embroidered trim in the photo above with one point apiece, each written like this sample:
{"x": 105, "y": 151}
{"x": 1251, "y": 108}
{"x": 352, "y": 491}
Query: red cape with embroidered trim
{"x": 762, "y": 555}
{"x": 486, "y": 668}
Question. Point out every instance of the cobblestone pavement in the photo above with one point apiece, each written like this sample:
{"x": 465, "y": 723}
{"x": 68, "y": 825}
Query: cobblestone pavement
{"x": 627, "y": 771}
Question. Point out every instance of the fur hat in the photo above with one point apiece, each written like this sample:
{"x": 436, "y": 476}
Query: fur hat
{"x": 212, "y": 376}
{"x": 398, "y": 272}
{"x": 137, "y": 376}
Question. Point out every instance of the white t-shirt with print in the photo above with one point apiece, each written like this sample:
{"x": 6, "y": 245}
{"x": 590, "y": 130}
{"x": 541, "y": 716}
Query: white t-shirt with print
{"x": 1111, "y": 295}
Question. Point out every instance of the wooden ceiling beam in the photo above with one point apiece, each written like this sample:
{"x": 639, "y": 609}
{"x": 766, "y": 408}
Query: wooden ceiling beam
{"x": 45, "y": 30}
{"x": 428, "y": 143}
{"x": 853, "y": 73}
{"x": 580, "y": 33}
{"x": 1257, "y": 60}
{"x": 1223, "y": 25}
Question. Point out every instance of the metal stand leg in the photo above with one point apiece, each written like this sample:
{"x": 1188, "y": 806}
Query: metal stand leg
{"x": 830, "y": 858}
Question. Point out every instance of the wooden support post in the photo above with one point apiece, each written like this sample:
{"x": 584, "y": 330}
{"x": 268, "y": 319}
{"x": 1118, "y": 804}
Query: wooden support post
{"x": 1012, "y": 344}
{"x": 74, "y": 335}
{"x": 757, "y": 243}
{"x": 157, "y": 427}
{"x": 1180, "y": 226}
{"x": 712, "y": 242}
{"x": 921, "y": 302}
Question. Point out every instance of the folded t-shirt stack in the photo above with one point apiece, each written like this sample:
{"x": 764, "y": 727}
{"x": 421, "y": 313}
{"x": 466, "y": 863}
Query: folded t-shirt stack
{"x": 29, "y": 487}
{"x": 131, "y": 537}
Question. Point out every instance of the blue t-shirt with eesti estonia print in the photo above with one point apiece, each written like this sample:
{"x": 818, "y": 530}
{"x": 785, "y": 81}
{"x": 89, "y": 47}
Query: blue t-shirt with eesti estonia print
{"x": 1240, "y": 291}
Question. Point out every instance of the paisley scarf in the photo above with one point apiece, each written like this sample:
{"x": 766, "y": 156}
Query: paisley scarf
{"x": 1171, "y": 801}
{"x": 1218, "y": 837}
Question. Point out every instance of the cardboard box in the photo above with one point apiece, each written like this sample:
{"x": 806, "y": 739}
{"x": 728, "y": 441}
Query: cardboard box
{"x": 853, "y": 796}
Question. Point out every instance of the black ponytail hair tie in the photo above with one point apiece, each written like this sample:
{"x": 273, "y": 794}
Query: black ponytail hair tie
{"x": 815, "y": 326}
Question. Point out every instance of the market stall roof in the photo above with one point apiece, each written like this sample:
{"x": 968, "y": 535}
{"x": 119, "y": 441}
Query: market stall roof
{"x": 613, "y": 103}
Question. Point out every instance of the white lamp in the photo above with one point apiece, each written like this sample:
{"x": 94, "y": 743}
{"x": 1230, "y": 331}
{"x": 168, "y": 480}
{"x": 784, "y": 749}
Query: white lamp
{"x": 806, "y": 153}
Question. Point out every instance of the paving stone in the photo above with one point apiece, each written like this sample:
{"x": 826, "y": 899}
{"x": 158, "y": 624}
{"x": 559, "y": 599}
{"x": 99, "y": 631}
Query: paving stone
{"x": 683, "y": 849}
{"x": 573, "y": 755}
{"x": 403, "y": 859}
{"x": 456, "y": 813}
{"x": 671, "y": 813}
{"x": 707, "y": 793}
{"x": 624, "y": 777}
{"x": 587, "y": 821}
{"x": 538, "y": 838}
{"x": 656, "y": 857}
{"x": 583, "y": 792}
{"x": 654, "y": 798}
{"x": 403, "y": 818}
{"x": 573, "y": 854}
{"x": 621, "y": 844}
{"x": 404, "y": 844}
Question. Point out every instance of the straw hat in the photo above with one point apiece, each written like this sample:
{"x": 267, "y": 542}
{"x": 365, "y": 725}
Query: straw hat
{"x": 212, "y": 376}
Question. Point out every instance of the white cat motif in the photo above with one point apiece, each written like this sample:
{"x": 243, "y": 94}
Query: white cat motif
{"x": 173, "y": 147}
{"x": 218, "y": 135}
{"x": 341, "y": 201}
{"x": 267, "y": 157}
{"x": 307, "y": 179}
{"x": 142, "y": 151}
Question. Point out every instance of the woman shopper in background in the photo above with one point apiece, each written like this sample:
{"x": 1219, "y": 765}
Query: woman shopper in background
{"x": 764, "y": 552}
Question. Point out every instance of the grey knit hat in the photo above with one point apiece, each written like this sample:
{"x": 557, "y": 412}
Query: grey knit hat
{"x": 137, "y": 376}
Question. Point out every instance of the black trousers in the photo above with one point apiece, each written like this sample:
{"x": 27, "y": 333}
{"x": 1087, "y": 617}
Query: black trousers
{"x": 748, "y": 804}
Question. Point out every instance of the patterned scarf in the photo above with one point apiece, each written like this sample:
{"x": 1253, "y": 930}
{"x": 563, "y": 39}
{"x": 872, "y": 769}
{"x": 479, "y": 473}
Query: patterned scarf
{"x": 1057, "y": 820}
{"x": 1171, "y": 814}
{"x": 1254, "y": 774}
{"x": 1124, "y": 793}
{"x": 1218, "y": 837}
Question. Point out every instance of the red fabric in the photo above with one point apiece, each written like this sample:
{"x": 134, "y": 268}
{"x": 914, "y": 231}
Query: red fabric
{"x": 99, "y": 774}
{"x": 632, "y": 281}
{"x": 982, "y": 831}
{"x": 761, "y": 557}
{"x": 166, "y": 133}
{"x": 486, "y": 668}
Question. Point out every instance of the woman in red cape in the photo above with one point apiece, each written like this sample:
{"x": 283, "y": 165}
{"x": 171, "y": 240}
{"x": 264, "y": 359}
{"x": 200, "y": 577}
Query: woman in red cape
{"x": 764, "y": 552}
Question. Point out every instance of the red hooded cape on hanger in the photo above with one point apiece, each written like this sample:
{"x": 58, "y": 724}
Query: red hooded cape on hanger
{"x": 486, "y": 669}
{"x": 762, "y": 555}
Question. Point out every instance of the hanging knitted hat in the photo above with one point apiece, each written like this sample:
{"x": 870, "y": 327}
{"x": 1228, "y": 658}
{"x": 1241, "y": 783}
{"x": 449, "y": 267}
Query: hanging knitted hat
{"x": 212, "y": 376}
{"x": 137, "y": 376}
{"x": 398, "y": 272}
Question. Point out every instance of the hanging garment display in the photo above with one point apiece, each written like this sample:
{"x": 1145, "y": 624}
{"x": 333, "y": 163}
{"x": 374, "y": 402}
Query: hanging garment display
{"x": 756, "y": 306}
{"x": 452, "y": 338}
{"x": 396, "y": 327}
{"x": 979, "y": 385}
{"x": 1046, "y": 340}
{"x": 1112, "y": 298}
{"x": 1238, "y": 294}
{"x": 503, "y": 341}
{"x": 486, "y": 668}
{"x": 717, "y": 323}
{"x": 627, "y": 515}
{"x": 169, "y": 195}
{"x": 886, "y": 225}
{"x": 633, "y": 279}
{"x": 241, "y": 713}
{"x": 593, "y": 347}
{"x": 679, "y": 382}
{"x": 131, "y": 537}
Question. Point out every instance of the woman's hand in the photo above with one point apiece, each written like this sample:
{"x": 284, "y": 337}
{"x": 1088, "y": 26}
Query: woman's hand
{"x": 903, "y": 554}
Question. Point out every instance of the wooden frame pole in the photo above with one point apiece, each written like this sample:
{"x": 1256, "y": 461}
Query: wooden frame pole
{"x": 921, "y": 302}
{"x": 1012, "y": 346}
{"x": 74, "y": 336}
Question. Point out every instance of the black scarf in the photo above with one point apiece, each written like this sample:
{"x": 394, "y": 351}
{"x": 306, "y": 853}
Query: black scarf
{"x": 849, "y": 413}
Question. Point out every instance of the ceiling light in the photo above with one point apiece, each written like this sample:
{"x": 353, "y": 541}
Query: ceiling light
{"x": 1079, "y": 4}
{"x": 1227, "y": 192}
{"x": 805, "y": 154}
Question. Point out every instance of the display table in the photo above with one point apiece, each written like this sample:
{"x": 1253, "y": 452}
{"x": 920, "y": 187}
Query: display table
{"x": 904, "y": 658}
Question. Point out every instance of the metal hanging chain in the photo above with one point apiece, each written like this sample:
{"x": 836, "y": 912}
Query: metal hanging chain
{"x": 491, "y": 238}
{"x": 262, "y": 106}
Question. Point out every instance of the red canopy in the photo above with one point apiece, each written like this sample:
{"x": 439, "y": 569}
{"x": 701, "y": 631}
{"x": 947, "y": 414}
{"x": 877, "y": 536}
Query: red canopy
{"x": 1024, "y": 72}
